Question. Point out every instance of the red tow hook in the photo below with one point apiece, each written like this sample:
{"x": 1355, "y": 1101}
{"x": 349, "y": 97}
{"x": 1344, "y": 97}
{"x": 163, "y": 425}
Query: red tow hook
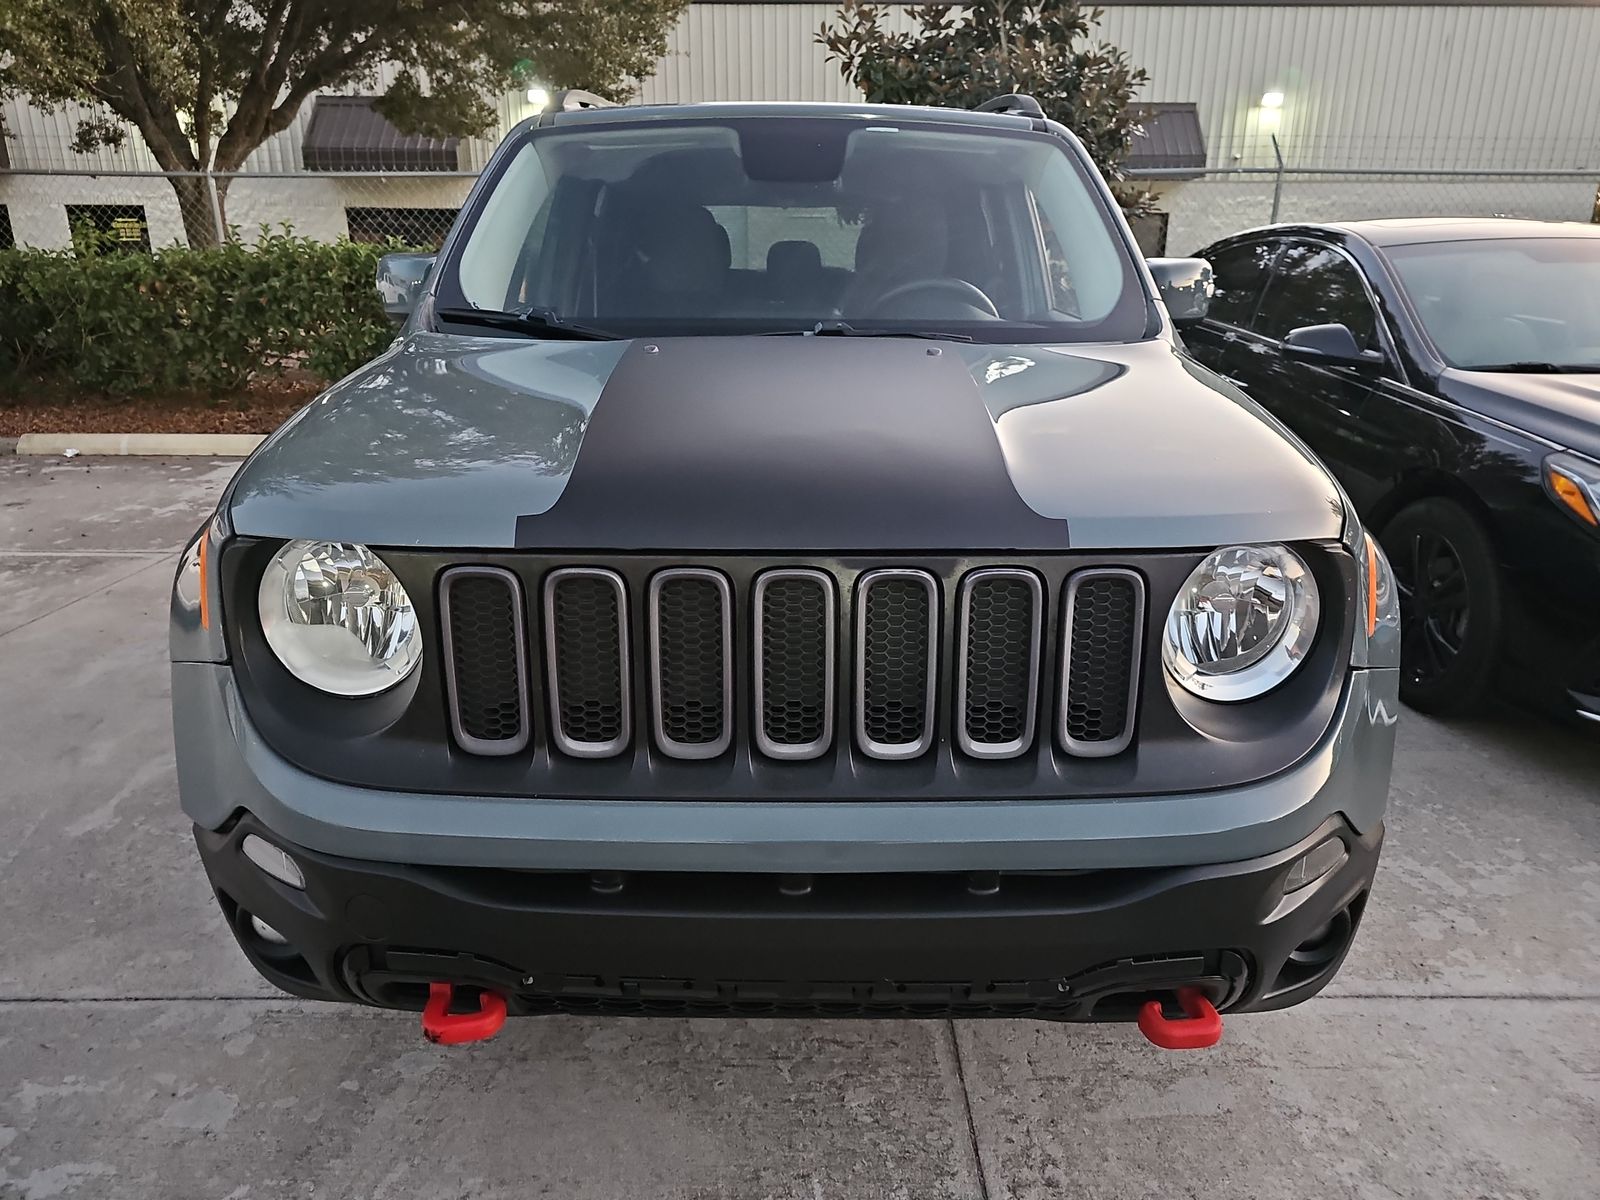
{"x": 1199, "y": 1027}
{"x": 445, "y": 1028}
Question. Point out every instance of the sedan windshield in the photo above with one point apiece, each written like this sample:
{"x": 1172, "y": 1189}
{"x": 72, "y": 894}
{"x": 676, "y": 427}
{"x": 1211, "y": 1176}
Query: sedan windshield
{"x": 833, "y": 225}
{"x": 1507, "y": 304}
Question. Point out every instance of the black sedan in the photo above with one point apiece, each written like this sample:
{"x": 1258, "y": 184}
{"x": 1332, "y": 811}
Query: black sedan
{"x": 1448, "y": 371}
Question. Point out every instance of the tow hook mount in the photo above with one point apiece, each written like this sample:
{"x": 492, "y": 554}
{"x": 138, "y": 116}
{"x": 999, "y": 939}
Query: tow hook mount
{"x": 445, "y": 1028}
{"x": 1199, "y": 1027}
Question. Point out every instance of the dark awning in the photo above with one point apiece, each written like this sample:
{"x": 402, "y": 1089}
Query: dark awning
{"x": 346, "y": 134}
{"x": 1171, "y": 145}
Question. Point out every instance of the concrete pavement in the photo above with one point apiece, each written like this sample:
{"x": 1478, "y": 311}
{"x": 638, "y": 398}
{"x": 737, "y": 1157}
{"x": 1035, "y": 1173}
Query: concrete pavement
{"x": 1458, "y": 1054}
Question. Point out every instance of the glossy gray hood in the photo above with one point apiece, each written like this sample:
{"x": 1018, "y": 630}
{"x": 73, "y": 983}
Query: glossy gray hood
{"x": 782, "y": 444}
{"x": 1564, "y": 409}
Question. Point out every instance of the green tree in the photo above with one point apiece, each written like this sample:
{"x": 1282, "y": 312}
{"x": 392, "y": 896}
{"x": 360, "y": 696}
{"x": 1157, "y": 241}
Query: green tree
{"x": 961, "y": 56}
{"x": 204, "y": 82}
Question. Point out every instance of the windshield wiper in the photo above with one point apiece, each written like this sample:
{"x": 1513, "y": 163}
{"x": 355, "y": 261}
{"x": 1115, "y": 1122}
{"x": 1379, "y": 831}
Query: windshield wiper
{"x": 540, "y": 322}
{"x": 845, "y": 329}
{"x": 1539, "y": 368}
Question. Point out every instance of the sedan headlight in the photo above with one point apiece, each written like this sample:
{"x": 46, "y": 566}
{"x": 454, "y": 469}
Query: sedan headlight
{"x": 338, "y": 619}
{"x": 1241, "y": 623}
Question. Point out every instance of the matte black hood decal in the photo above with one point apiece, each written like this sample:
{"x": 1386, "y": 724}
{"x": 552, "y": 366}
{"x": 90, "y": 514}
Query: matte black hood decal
{"x": 790, "y": 444}
{"x": 776, "y": 443}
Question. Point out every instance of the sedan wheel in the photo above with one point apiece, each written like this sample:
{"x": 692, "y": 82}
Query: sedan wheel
{"x": 1449, "y": 606}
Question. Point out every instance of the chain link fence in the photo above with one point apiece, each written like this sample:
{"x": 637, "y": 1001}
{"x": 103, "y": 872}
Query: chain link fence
{"x": 1195, "y": 211}
{"x": 147, "y": 209}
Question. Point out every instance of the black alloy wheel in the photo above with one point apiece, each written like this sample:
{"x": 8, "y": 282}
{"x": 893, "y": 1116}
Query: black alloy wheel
{"x": 1450, "y": 603}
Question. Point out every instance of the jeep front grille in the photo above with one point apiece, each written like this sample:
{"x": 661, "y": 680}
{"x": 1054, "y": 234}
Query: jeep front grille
{"x": 1103, "y": 611}
{"x": 794, "y": 662}
{"x": 897, "y": 647}
{"x": 997, "y": 677}
{"x": 486, "y": 659}
{"x": 586, "y": 654}
{"x": 691, "y": 662}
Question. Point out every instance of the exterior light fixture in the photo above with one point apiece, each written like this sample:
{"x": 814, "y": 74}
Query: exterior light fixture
{"x": 538, "y": 97}
{"x": 1268, "y": 99}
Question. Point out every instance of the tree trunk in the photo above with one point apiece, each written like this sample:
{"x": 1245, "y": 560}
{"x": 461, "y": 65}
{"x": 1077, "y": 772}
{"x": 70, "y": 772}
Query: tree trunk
{"x": 194, "y": 202}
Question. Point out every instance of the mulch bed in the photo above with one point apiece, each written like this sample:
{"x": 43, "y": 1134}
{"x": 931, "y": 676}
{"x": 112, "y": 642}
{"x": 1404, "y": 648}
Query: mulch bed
{"x": 51, "y": 409}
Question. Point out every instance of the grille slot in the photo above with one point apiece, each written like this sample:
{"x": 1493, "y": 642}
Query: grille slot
{"x": 1000, "y": 618}
{"x": 586, "y": 636}
{"x": 691, "y": 662}
{"x": 793, "y": 659}
{"x": 1103, "y": 638}
{"x": 485, "y": 659}
{"x": 897, "y": 648}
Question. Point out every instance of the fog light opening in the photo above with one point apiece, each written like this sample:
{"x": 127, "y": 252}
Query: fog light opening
{"x": 1325, "y": 944}
{"x": 273, "y": 860}
{"x": 1315, "y": 863}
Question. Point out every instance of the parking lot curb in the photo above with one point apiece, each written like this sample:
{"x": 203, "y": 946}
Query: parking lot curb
{"x": 210, "y": 445}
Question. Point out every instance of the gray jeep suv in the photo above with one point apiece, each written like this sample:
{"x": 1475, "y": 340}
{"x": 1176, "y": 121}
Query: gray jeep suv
{"x": 788, "y": 564}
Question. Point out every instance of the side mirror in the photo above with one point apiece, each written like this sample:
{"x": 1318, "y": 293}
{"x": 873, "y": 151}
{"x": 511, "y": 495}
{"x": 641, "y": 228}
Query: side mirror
{"x": 1328, "y": 346}
{"x": 400, "y": 280}
{"x": 1185, "y": 285}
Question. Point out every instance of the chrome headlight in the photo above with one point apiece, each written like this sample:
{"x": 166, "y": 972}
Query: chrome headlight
{"x": 338, "y": 619}
{"x": 1241, "y": 623}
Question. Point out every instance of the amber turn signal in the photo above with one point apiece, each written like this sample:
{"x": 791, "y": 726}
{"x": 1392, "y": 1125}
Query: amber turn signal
{"x": 205, "y": 580}
{"x": 1571, "y": 494}
{"x": 1372, "y": 586}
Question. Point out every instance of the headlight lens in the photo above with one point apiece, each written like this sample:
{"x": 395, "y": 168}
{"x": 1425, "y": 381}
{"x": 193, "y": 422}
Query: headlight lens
{"x": 1241, "y": 623}
{"x": 338, "y": 619}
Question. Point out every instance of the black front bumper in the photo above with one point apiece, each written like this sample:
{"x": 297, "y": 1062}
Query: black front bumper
{"x": 1067, "y": 946}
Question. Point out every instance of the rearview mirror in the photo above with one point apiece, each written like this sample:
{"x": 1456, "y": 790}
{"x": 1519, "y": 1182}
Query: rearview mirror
{"x": 1185, "y": 286}
{"x": 400, "y": 280}
{"x": 1328, "y": 346}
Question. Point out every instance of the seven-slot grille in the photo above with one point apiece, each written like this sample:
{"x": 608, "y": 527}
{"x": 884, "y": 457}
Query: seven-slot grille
{"x": 895, "y": 649}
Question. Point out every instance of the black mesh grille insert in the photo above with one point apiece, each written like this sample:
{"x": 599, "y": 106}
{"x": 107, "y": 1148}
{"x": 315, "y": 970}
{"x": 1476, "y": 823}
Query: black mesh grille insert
{"x": 488, "y": 672}
{"x": 586, "y": 660}
{"x": 895, "y": 687}
{"x": 998, "y": 680}
{"x": 691, "y": 662}
{"x": 1102, "y": 654}
{"x": 794, "y": 669}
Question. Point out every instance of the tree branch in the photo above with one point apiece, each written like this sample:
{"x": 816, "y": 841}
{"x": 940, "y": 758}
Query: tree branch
{"x": 127, "y": 92}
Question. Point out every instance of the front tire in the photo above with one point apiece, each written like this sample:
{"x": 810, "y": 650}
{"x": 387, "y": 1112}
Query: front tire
{"x": 1450, "y": 606}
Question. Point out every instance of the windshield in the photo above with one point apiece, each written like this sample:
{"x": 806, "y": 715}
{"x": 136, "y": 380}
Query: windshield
{"x": 1528, "y": 303}
{"x": 779, "y": 224}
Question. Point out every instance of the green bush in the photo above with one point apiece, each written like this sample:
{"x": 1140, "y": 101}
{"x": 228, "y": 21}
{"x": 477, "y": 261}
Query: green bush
{"x": 212, "y": 319}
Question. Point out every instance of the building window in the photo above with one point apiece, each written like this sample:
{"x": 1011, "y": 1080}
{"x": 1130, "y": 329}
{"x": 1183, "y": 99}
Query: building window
{"x": 408, "y": 226}
{"x": 8, "y": 240}
{"x": 108, "y": 228}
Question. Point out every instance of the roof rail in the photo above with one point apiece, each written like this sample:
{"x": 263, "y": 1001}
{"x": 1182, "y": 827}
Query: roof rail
{"x": 1013, "y": 104}
{"x": 576, "y": 99}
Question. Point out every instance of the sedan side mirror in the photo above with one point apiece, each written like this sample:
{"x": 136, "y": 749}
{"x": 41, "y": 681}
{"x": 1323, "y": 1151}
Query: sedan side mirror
{"x": 1328, "y": 346}
{"x": 400, "y": 280}
{"x": 1186, "y": 287}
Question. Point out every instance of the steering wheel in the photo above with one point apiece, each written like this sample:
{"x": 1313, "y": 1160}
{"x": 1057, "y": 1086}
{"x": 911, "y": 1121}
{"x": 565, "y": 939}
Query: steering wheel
{"x": 970, "y": 293}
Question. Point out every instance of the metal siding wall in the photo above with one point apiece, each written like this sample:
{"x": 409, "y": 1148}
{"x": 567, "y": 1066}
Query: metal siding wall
{"x": 1365, "y": 85}
{"x": 1373, "y": 86}
{"x": 752, "y": 52}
